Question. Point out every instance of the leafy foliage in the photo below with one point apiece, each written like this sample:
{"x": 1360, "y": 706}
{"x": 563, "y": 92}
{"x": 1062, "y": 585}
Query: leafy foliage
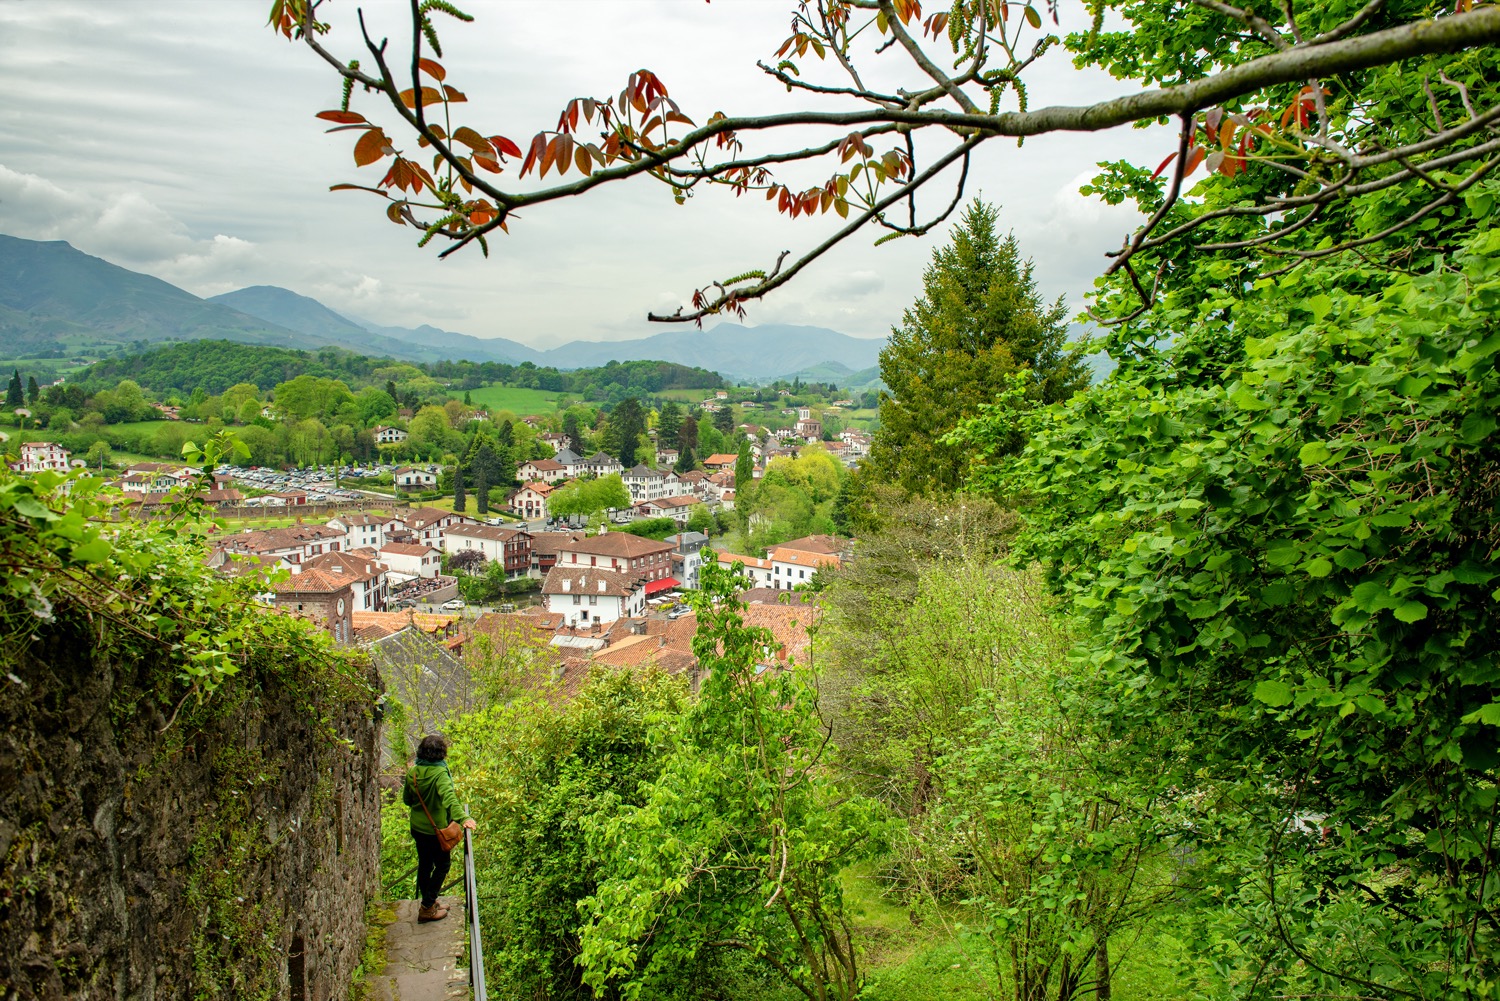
{"x": 1281, "y": 533}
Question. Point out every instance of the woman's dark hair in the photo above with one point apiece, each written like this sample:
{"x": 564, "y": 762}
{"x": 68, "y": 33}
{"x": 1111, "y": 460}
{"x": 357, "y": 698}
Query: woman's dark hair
{"x": 432, "y": 748}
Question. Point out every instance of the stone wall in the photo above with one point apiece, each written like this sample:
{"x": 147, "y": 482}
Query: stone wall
{"x": 228, "y": 852}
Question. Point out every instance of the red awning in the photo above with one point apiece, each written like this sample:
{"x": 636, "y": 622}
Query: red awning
{"x": 658, "y": 586}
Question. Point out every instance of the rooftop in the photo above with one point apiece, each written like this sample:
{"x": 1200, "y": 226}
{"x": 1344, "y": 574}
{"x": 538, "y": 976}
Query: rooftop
{"x": 620, "y": 544}
{"x": 588, "y": 580}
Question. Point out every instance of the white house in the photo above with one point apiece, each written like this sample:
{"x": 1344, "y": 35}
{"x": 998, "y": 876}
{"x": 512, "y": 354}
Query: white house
{"x": 39, "y": 455}
{"x": 541, "y": 471}
{"x": 363, "y": 531}
{"x": 387, "y": 435}
{"x": 531, "y": 500}
{"x": 756, "y": 571}
{"x": 586, "y": 596}
{"x": 293, "y": 544}
{"x": 679, "y": 509}
{"x": 412, "y": 478}
{"x": 570, "y": 461}
{"x": 509, "y": 547}
{"x": 411, "y": 559}
{"x": 792, "y": 567}
{"x": 602, "y": 464}
{"x": 644, "y": 483}
{"x": 429, "y": 523}
{"x": 366, "y": 577}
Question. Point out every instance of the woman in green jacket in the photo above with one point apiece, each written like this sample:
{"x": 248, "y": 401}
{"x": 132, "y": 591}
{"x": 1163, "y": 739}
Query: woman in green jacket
{"x": 434, "y": 782}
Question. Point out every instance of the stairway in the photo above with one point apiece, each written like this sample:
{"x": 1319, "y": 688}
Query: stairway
{"x": 422, "y": 960}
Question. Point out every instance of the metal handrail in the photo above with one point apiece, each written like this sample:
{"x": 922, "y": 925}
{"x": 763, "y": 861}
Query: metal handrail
{"x": 471, "y": 911}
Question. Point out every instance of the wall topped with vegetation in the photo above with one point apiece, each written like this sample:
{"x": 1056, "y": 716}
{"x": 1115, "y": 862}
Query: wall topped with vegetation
{"x": 188, "y": 804}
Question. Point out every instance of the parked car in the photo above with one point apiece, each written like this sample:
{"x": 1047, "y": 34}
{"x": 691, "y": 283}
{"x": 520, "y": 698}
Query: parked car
{"x": 453, "y": 604}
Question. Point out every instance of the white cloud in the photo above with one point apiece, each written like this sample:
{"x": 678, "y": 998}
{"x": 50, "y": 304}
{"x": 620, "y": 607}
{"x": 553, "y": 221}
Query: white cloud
{"x": 187, "y": 148}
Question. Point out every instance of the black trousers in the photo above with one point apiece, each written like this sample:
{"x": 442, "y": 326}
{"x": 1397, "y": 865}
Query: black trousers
{"x": 432, "y": 867}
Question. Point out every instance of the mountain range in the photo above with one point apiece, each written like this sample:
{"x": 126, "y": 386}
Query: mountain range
{"x": 55, "y": 299}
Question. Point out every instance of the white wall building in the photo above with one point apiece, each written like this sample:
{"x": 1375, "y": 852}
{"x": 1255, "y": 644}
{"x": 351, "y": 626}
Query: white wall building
{"x": 591, "y": 596}
{"x": 410, "y": 559}
{"x": 411, "y": 478}
{"x": 758, "y": 572}
{"x": 387, "y": 435}
{"x": 365, "y": 531}
{"x": 39, "y": 455}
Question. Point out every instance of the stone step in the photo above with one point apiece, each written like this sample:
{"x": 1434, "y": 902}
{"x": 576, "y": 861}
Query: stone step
{"x": 422, "y": 959}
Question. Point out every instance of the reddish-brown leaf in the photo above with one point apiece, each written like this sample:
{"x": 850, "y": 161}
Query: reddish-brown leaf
{"x": 489, "y": 163}
{"x": 471, "y": 139}
{"x": 533, "y": 155}
{"x": 393, "y": 212}
{"x": 1195, "y": 157}
{"x": 429, "y": 96}
{"x": 1163, "y": 166}
{"x": 433, "y": 70}
{"x": 342, "y": 117}
{"x": 564, "y": 154}
{"x": 504, "y": 146}
{"x": 584, "y": 161}
{"x": 371, "y": 147}
{"x": 453, "y": 95}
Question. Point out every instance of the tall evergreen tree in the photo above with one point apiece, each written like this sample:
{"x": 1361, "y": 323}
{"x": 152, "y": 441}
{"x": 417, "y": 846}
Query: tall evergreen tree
{"x": 627, "y": 422}
{"x": 390, "y": 390}
{"x": 33, "y": 391}
{"x": 572, "y": 432}
{"x": 724, "y": 419}
{"x": 687, "y": 436}
{"x": 460, "y": 501}
{"x": 14, "y": 395}
{"x": 481, "y": 487}
{"x": 668, "y": 424}
{"x": 744, "y": 483}
{"x": 979, "y": 320}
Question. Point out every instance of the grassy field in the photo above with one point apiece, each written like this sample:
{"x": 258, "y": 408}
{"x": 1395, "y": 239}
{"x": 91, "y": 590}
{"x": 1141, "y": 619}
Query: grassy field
{"x": 520, "y": 402}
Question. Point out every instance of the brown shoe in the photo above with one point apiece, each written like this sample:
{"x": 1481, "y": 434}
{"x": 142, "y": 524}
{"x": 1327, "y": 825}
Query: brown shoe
{"x": 436, "y": 912}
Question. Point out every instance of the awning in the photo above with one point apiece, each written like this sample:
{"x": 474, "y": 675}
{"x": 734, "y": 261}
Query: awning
{"x": 658, "y": 586}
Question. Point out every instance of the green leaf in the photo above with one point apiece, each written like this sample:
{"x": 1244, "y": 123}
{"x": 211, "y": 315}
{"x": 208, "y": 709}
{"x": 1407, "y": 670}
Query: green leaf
{"x": 1274, "y": 693}
{"x": 1411, "y": 611}
{"x": 1489, "y": 715}
{"x": 93, "y": 551}
{"x": 33, "y": 508}
{"x": 1319, "y": 567}
{"x": 1314, "y": 453}
{"x": 1319, "y": 305}
{"x": 1476, "y": 427}
{"x": 1246, "y": 400}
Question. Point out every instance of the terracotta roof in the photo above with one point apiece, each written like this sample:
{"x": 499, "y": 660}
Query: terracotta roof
{"x": 588, "y": 580}
{"x": 816, "y": 544}
{"x": 537, "y": 487}
{"x": 672, "y": 503}
{"x": 312, "y": 582}
{"x": 803, "y": 559}
{"x": 394, "y": 622}
{"x": 638, "y": 651}
{"x": 771, "y": 596}
{"x": 372, "y": 632}
{"x": 787, "y": 623}
{"x": 406, "y": 549}
{"x": 728, "y": 559}
{"x": 360, "y": 519}
{"x": 349, "y": 566}
{"x": 424, "y": 516}
{"x": 621, "y": 544}
{"x": 492, "y": 532}
{"x": 721, "y": 459}
{"x": 267, "y": 539}
{"x": 550, "y": 542}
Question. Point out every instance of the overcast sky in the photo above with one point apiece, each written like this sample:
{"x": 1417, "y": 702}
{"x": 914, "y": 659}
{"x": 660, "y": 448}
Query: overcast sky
{"x": 178, "y": 138}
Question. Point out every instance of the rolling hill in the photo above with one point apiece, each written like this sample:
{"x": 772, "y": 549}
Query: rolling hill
{"x": 56, "y": 298}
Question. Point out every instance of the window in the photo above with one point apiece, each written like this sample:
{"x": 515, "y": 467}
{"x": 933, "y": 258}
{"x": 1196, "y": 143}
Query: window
{"x": 577, "y": 600}
{"x": 593, "y": 599}
{"x": 801, "y": 573}
{"x": 593, "y": 561}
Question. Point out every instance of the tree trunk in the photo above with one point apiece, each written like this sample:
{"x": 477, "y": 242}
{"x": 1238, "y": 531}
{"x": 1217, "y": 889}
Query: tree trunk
{"x": 1102, "y": 988}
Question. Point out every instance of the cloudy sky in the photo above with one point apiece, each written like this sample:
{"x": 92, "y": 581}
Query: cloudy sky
{"x": 177, "y": 137}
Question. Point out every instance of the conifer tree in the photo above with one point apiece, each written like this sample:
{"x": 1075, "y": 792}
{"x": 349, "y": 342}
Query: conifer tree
{"x": 979, "y": 319}
{"x": 574, "y": 435}
{"x": 668, "y": 424}
{"x": 33, "y": 391}
{"x": 724, "y": 419}
{"x": 626, "y": 424}
{"x": 460, "y": 502}
{"x": 482, "y": 487}
{"x": 14, "y": 395}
